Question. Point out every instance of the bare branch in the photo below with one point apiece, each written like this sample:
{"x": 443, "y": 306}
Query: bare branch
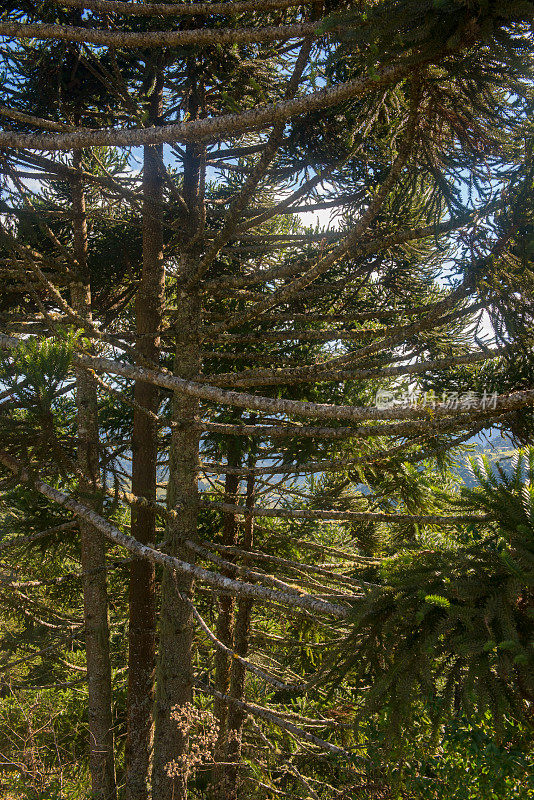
{"x": 307, "y": 602}
{"x": 343, "y": 516}
{"x": 211, "y": 129}
{"x": 179, "y": 9}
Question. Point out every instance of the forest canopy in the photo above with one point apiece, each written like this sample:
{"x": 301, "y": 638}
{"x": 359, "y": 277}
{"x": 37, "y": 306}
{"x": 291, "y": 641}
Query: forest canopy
{"x": 266, "y": 390}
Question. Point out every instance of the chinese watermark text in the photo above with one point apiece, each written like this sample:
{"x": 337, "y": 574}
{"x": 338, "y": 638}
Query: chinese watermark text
{"x": 454, "y": 401}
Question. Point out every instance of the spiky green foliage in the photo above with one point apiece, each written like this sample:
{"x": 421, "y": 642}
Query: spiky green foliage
{"x": 38, "y": 367}
{"x": 454, "y": 623}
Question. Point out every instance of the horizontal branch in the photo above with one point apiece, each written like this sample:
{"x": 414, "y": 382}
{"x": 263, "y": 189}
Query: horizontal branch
{"x": 415, "y": 427}
{"x": 345, "y": 516}
{"x": 22, "y": 541}
{"x": 241, "y": 571}
{"x": 140, "y": 502}
{"x": 504, "y": 402}
{"x": 197, "y": 37}
{"x": 37, "y": 122}
{"x": 326, "y": 465}
{"x": 298, "y": 336}
{"x": 244, "y": 380}
{"x": 213, "y": 128}
{"x": 178, "y": 9}
{"x": 397, "y": 335}
{"x": 292, "y": 430}
{"x": 242, "y": 589}
{"x": 308, "y": 467}
{"x": 299, "y": 408}
{"x": 71, "y": 576}
{"x": 251, "y": 555}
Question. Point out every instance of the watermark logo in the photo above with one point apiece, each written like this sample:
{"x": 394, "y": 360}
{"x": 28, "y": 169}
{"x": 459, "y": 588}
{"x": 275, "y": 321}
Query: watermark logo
{"x": 453, "y": 401}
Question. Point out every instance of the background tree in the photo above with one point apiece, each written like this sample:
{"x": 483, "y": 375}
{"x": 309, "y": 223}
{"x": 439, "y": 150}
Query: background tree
{"x": 401, "y": 123}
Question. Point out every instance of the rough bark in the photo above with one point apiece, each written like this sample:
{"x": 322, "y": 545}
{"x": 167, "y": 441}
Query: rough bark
{"x": 175, "y": 675}
{"x": 200, "y": 37}
{"x": 178, "y": 10}
{"x": 236, "y": 714}
{"x": 225, "y": 618}
{"x": 142, "y": 612}
{"x": 101, "y": 740}
{"x": 504, "y": 402}
{"x": 213, "y": 128}
{"x": 175, "y": 670}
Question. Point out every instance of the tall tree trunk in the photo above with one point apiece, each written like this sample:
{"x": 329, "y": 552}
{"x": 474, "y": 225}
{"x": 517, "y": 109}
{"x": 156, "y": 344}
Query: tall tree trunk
{"x": 225, "y": 619}
{"x": 174, "y": 680}
{"x": 142, "y": 611}
{"x": 101, "y": 744}
{"x": 236, "y": 717}
{"x": 175, "y": 672}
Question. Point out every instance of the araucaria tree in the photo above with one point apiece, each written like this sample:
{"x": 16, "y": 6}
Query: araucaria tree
{"x": 218, "y": 419}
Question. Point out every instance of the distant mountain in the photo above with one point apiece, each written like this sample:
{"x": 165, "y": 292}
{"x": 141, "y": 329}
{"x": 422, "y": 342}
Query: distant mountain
{"x": 491, "y": 444}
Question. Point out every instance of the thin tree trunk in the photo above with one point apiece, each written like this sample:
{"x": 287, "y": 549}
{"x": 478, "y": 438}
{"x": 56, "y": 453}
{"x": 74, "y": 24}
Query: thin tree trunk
{"x": 175, "y": 672}
{"x": 101, "y": 740}
{"x": 142, "y": 611}
{"x": 225, "y": 619}
{"x": 174, "y": 680}
{"x": 236, "y": 717}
